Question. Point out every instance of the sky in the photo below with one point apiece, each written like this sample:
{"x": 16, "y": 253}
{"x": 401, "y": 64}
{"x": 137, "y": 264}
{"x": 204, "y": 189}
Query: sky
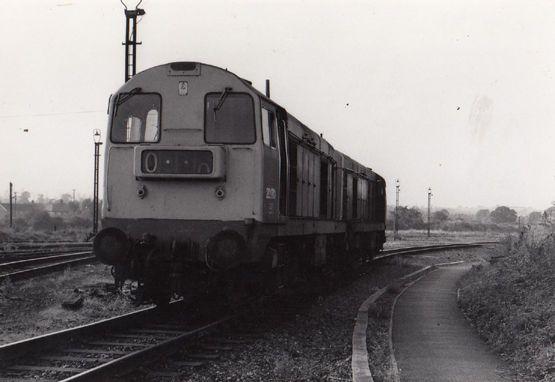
{"x": 452, "y": 95}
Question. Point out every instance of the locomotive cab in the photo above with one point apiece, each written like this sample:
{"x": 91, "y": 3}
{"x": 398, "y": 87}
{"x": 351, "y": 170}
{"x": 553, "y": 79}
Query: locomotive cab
{"x": 183, "y": 163}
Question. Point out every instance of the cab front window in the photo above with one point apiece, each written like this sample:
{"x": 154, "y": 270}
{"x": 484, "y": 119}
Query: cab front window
{"x": 229, "y": 118}
{"x": 136, "y": 118}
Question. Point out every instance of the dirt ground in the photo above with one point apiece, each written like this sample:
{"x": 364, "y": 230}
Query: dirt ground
{"x": 33, "y": 307}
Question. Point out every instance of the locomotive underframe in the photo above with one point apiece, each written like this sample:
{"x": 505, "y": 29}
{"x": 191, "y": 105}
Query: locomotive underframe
{"x": 178, "y": 256}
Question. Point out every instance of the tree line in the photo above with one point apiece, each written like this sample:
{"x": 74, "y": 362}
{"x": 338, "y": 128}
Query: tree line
{"x": 413, "y": 218}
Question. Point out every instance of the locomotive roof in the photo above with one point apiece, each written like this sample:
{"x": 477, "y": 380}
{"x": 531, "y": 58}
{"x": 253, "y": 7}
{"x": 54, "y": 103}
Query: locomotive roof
{"x": 319, "y": 141}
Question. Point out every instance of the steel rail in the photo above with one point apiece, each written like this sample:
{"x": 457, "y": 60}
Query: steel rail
{"x": 15, "y": 249}
{"x": 126, "y": 361}
{"x": 40, "y": 251}
{"x": 129, "y": 362}
{"x": 32, "y": 272}
{"x": 41, "y": 259}
{"x": 46, "y": 341}
{"x": 429, "y": 248}
{"x": 47, "y": 244}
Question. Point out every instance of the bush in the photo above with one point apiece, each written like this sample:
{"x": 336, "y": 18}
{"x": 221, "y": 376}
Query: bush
{"x": 503, "y": 214}
{"x": 440, "y": 216}
{"x": 44, "y": 222}
{"x": 482, "y": 215}
{"x": 407, "y": 218}
{"x": 78, "y": 221}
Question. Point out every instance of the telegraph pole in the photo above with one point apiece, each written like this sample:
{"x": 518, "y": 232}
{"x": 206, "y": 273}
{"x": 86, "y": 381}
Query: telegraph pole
{"x": 396, "y": 220}
{"x": 429, "y": 207}
{"x": 97, "y": 143}
{"x": 131, "y": 39}
{"x": 11, "y": 204}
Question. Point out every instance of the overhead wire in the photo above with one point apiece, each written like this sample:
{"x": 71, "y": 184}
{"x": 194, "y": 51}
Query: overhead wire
{"x": 51, "y": 114}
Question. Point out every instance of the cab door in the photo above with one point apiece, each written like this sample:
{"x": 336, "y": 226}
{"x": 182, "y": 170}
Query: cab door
{"x": 283, "y": 145}
{"x": 271, "y": 170}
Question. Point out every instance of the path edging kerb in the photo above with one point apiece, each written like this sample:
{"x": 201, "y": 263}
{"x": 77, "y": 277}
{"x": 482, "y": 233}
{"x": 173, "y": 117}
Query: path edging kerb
{"x": 360, "y": 367}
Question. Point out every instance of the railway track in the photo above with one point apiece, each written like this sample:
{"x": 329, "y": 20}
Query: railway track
{"x": 105, "y": 349}
{"x": 116, "y": 346}
{"x": 18, "y": 248}
{"x": 388, "y": 253}
{"x": 34, "y": 259}
{"x": 32, "y": 267}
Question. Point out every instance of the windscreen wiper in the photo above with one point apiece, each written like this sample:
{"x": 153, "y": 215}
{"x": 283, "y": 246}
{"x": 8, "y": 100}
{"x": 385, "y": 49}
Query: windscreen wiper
{"x": 121, "y": 98}
{"x": 222, "y": 99}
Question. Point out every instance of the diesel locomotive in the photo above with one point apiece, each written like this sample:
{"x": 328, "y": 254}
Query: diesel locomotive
{"x": 209, "y": 183}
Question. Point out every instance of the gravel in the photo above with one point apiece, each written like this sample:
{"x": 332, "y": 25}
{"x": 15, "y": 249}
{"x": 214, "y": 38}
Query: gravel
{"x": 304, "y": 338}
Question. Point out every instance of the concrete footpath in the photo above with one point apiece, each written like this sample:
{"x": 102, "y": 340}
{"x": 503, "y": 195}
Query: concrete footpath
{"x": 431, "y": 338}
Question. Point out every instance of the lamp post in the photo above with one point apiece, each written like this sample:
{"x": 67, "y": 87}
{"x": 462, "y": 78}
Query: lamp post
{"x": 97, "y": 143}
{"x": 396, "y": 220}
{"x": 429, "y": 207}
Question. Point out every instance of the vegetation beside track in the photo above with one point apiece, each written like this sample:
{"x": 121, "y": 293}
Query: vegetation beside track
{"x": 512, "y": 302}
{"x": 69, "y": 234}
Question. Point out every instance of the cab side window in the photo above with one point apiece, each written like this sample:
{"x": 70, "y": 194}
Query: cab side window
{"x": 269, "y": 128}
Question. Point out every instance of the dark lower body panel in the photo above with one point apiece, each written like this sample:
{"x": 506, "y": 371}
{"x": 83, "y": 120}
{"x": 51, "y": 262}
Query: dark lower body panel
{"x": 167, "y": 255}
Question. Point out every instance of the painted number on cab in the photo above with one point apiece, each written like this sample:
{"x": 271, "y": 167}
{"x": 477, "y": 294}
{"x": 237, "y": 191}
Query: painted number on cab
{"x": 270, "y": 193}
{"x": 183, "y": 88}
